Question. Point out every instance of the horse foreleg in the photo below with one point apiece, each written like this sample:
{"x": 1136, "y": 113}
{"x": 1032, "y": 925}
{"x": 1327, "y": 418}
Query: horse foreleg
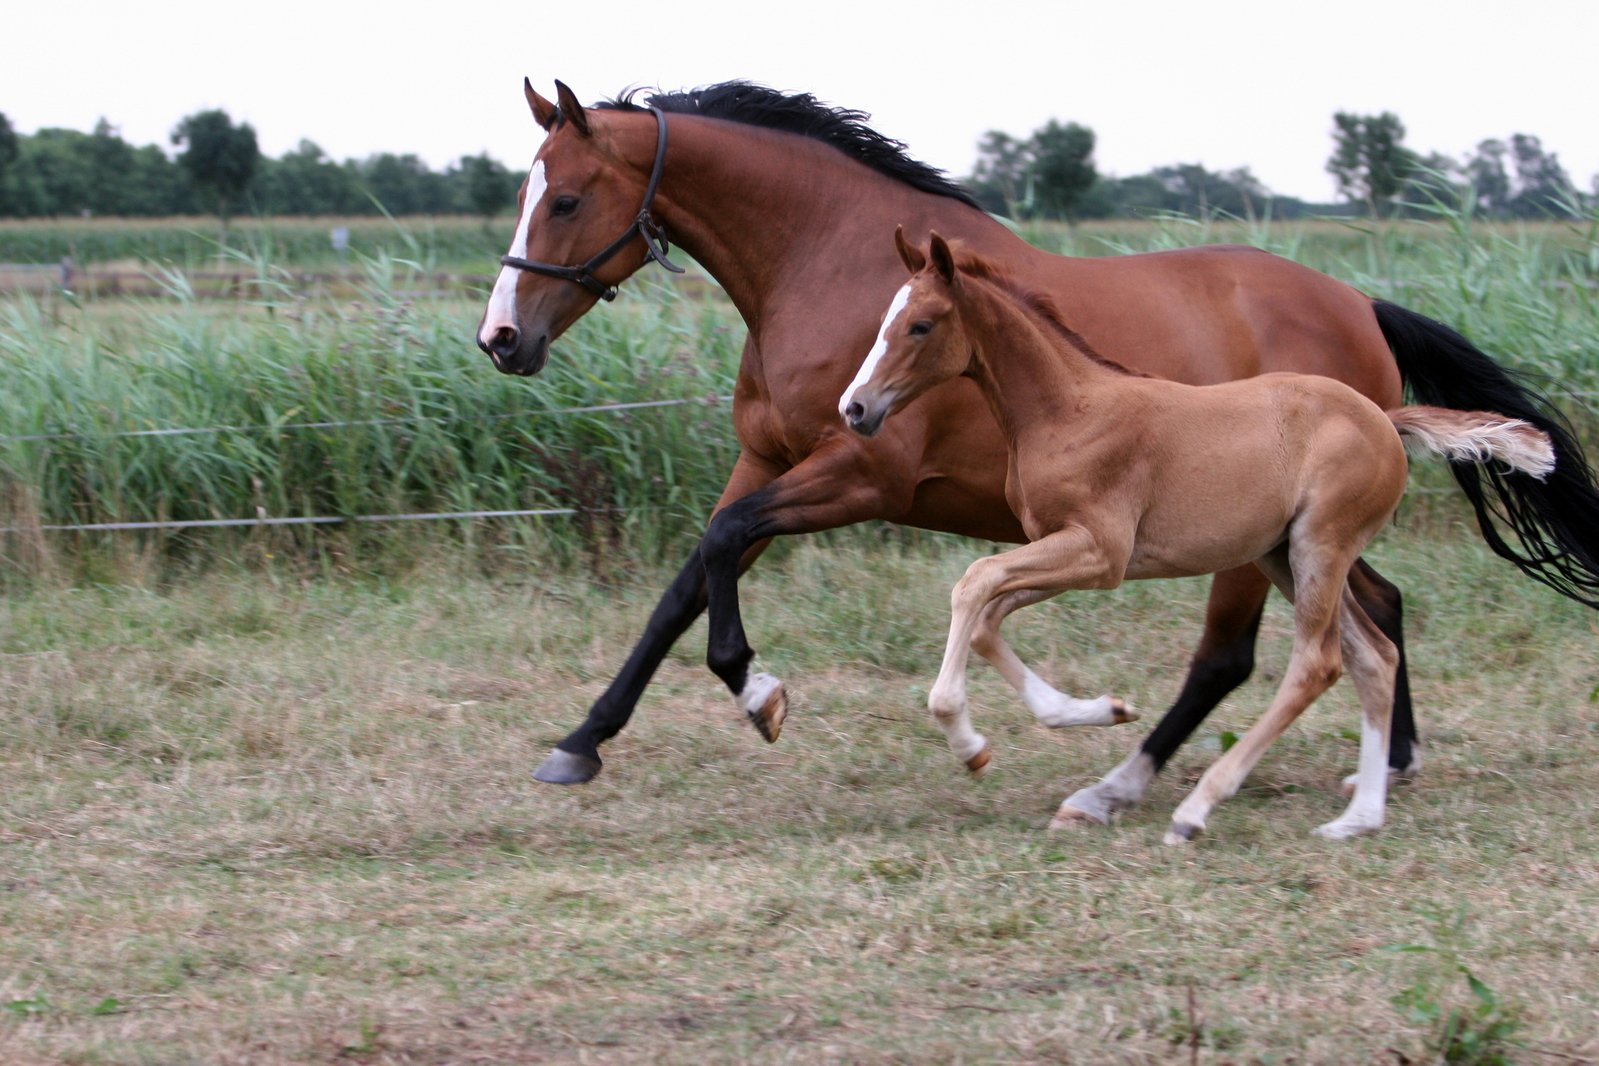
{"x": 1223, "y": 661}
{"x": 832, "y": 487}
{"x": 1049, "y": 705}
{"x": 576, "y": 759}
{"x": 1068, "y": 559}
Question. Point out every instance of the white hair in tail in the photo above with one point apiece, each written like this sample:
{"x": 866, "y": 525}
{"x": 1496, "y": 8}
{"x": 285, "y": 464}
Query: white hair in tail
{"x": 1477, "y": 437}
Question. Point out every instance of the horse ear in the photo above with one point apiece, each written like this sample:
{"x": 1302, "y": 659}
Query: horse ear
{"x": 913, "y": 258}
{"x": 571, "y": 108}
{"x": 943, "y": 259}
{"x": 544, "y": 112}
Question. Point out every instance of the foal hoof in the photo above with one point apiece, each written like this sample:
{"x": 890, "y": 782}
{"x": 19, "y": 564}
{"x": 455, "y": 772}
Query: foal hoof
{"x": 978, "y": 764}
{"x": 564, "y": 768}
{"x": 764, "y": 700}
{"x": 1121, "y": 711}
{"x": 1181, "y": 833}
{"x": 1070, "y": 818}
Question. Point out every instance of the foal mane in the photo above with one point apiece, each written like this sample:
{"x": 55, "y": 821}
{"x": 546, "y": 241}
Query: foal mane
{"x": 1041, "y": 305}
{"x": 804, "y": 114}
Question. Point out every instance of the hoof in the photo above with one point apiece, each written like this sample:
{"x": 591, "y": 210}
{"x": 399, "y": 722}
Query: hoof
{"x": 978, "y": 764}
{"x": 1069, "y": 818}
{"x": 1181, "y": 833}
{"x": 564, "y": 768}
{"x": 766, "y": 704}
{"x": 1121, "y": 711}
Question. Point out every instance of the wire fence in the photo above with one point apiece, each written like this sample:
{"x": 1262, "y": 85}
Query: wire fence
{"x": 262, "y": 520}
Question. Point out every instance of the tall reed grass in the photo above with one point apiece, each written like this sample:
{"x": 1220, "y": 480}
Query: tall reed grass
{"x": 421, "y": 422}
{"x": 425, "y": 424}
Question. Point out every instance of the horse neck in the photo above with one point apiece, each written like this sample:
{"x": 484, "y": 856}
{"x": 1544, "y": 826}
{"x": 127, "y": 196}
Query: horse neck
{"x": 1028, "y": 372}
{"x": 759, "y": 208}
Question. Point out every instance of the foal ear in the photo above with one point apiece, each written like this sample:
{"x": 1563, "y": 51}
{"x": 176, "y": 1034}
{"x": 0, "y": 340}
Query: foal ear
{"x": 571, "y": 108}
{"x": 943, "y": 259}
{"x": 913, "y": 258}
{"x": 544, "y": 112}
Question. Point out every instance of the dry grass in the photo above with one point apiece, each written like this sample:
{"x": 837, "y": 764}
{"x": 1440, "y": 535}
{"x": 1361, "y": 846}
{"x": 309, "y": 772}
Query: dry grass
{"x": 254, "y": 819}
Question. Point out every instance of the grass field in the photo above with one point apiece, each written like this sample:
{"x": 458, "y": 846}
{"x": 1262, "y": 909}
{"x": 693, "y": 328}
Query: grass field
{"x": 255, "y": 818}
{"x": 267, "y": 799}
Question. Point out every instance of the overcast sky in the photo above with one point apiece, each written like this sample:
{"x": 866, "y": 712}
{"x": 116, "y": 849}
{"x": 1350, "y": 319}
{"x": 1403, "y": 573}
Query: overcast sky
{"x": 1226, "y": 84}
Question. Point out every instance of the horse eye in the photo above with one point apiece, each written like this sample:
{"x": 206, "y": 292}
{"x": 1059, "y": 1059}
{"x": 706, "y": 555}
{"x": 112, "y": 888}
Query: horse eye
{"x": 921, "y": 328}
{"x": 563, "y": 205}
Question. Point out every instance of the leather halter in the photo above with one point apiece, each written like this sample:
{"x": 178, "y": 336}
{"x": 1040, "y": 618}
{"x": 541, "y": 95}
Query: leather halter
{"x": 643, "y": 226}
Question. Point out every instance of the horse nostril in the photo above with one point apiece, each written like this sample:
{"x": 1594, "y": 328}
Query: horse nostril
{"x": 503, "y": 342}
{"x": 854, "y": 413}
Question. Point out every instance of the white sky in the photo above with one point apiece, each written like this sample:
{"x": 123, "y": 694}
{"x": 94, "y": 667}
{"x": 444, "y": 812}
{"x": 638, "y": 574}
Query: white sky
{"x": 1225, "y": 84}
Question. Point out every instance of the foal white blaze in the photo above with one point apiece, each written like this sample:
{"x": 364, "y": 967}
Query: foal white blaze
{"x": 501, "y": 313}
{"x": 879, "y": 347}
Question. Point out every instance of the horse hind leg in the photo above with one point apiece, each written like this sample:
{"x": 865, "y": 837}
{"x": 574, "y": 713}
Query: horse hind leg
{"x": 1379, "y": 599}
{"x": 1372, "y": 661}
{"x": 1223, "y": 661}
{"x": 1049, "y": 705}
{"x": 1313, "y": 668}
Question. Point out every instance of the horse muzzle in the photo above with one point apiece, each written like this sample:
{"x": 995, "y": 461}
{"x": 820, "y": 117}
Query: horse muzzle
{"x": 513, "y": 352}
{"x": 863, "y": 419}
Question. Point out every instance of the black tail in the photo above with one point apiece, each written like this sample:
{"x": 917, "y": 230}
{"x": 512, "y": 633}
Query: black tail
{"x": 1554, "y": 523}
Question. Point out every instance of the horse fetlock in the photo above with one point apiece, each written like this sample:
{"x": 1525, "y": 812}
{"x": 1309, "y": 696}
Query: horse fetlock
{"x": 1346, "y": 787}
{"x": 1072, "y": 815}
{"x": 1350, "y": 825}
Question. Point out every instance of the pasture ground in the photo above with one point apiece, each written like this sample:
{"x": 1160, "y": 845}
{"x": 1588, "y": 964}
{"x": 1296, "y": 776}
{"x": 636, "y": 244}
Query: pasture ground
{"x": 261, "y": 817}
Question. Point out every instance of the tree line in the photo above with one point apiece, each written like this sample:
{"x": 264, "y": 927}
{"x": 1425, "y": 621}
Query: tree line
{"x": 1051, "y": 174}
{"x": 218, "y": 169}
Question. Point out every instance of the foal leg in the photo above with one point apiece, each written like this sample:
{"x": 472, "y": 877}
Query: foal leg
{"x": 1380, "y": 600}
{"x": 1070, "y": 558}
{"x": 1313, "y": 667}
{"x": 1224, "y": 659}
{"x": 1373, "y": 663}
{"x": 1050, "y": 706}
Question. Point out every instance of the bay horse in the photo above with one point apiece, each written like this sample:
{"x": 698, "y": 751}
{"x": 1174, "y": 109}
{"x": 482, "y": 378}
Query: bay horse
{"x": 1117, "y": 476}
{"x": 770, "y": 193}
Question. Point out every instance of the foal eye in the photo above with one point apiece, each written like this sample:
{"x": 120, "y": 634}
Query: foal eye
{"x": 921, "y": 328}
{"x": 563, "y": 205}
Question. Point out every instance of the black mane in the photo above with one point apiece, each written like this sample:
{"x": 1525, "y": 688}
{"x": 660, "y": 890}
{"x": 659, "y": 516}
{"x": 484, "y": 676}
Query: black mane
{"x": 804, "y": 114}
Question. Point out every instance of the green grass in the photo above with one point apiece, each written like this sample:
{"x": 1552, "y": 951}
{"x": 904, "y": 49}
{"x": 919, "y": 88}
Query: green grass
{"x": 253, "y": 817}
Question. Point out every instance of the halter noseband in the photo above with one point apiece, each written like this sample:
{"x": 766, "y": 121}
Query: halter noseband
{"x": 643, "y": 226}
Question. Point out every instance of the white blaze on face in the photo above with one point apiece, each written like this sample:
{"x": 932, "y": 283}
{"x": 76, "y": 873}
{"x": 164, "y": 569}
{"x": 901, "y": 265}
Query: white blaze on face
{"x": 502, "y": 301}
{"x": 879, "y": 347}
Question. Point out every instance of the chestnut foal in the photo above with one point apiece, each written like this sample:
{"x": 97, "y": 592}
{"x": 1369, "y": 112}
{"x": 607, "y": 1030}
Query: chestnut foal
{"x": 1119, "y": 476}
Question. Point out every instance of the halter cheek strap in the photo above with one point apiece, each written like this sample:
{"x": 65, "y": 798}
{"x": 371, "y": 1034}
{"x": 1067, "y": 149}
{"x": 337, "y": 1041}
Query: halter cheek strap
{"x": 643, "y": 226}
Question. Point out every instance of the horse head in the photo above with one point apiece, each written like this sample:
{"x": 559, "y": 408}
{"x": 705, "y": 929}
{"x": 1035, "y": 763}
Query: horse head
{"x": 584, "y": 188}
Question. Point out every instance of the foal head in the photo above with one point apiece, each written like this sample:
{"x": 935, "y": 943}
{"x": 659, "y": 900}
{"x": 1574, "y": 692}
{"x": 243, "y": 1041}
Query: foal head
{"x": 921, "y": 343}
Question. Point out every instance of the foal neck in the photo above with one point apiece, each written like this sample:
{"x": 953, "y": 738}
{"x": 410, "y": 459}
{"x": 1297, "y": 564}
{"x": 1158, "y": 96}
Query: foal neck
{"x": 1029, "y": 364}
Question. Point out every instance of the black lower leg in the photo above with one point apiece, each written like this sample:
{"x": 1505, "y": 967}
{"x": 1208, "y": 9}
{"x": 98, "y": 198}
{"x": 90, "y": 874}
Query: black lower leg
{"x": 729, "y": 536}
{"x": 682, "y": 602}
{"x": 1215, "y": 671}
